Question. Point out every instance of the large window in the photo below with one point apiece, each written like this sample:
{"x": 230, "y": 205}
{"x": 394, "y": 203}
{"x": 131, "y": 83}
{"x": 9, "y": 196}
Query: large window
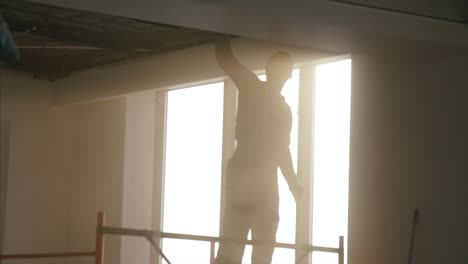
{"x": 192, "y": 185}
{"x": 194, "y": 153}
{"x": 331, "y": 157}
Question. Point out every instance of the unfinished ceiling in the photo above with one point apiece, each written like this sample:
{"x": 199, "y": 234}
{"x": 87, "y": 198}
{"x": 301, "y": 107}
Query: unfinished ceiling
{"x": 55, "y": 42}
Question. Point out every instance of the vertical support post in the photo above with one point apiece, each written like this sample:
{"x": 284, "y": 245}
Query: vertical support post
{"x": 305, "y": 157}
{"x": 100, "y": 239}
{"x": 212, "y": 252}
{"x": 341, "y": 253}
{"x": 158, "y": 180}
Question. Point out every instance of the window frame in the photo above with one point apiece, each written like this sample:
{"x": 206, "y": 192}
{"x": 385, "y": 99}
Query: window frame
{"x": 305, "y": 162}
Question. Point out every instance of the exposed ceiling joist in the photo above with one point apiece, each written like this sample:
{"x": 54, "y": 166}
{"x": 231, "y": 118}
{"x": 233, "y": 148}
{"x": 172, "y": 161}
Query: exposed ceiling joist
{"x": 56, "y": 41}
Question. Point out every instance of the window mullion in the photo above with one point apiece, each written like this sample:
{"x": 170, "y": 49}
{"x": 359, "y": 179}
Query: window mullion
{"x": 159, "y": 161}
{"x": 305, "y": 157}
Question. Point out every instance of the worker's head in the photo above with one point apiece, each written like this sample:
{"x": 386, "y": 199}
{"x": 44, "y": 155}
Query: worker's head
{"x": 279, "y": 67}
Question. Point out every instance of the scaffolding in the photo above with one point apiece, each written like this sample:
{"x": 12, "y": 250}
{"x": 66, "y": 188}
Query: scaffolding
{"x": 152, "y": 236}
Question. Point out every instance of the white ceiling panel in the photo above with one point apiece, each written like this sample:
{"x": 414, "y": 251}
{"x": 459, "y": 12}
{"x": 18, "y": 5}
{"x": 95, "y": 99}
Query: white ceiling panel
{"x": 454, "y": 10}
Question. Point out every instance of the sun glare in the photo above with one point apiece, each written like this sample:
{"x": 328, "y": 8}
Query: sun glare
{"x": 331, "y": 157}
{"x": 192, "y": 190}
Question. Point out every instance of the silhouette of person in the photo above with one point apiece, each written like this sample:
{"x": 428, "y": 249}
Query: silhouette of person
{"x": 263, "y": 128}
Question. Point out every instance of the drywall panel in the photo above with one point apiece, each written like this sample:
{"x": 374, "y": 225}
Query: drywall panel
{"x": 137, "y": 194}
{"x": 183, "y": 68}
{"x": 315, "y": 24}
{"x": 408, "y": 150}
{"x": 36, "y": 196}
{"x": 96, "y": 169}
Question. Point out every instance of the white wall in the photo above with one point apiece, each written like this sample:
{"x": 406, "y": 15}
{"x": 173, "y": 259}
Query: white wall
{"x": 408, "y": 150}
{"x": 96, "y": 170}
{"x": 37, "y": 191}
{"x": 138, "y": 176}
{"x": 67, "y": 163}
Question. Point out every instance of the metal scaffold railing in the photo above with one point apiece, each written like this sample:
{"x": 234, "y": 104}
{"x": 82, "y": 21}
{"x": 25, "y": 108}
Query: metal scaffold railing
{"x": 152, "y": 236}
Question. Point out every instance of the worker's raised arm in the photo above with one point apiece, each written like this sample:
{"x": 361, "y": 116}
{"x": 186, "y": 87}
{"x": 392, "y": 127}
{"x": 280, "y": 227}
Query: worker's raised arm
{"x": 289, "y": 175}
{"x": 239, "y": 74}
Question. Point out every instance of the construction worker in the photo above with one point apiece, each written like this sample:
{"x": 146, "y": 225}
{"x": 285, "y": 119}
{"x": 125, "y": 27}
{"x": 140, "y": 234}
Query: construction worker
{"x": 263, "y": 128}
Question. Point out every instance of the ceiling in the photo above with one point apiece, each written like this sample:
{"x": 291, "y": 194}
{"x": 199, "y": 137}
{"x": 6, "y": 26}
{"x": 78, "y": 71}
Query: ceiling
{"x": 55, "y": 42}
{"x": 449, "y": 10}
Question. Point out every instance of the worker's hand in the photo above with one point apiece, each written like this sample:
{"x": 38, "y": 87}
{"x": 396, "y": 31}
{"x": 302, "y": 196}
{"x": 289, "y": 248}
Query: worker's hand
{"x": 297, "y": 191}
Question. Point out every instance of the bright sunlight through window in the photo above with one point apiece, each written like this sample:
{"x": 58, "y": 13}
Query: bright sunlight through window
{"x": 192, "y": 190}
{"x": 331, "y": 157}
